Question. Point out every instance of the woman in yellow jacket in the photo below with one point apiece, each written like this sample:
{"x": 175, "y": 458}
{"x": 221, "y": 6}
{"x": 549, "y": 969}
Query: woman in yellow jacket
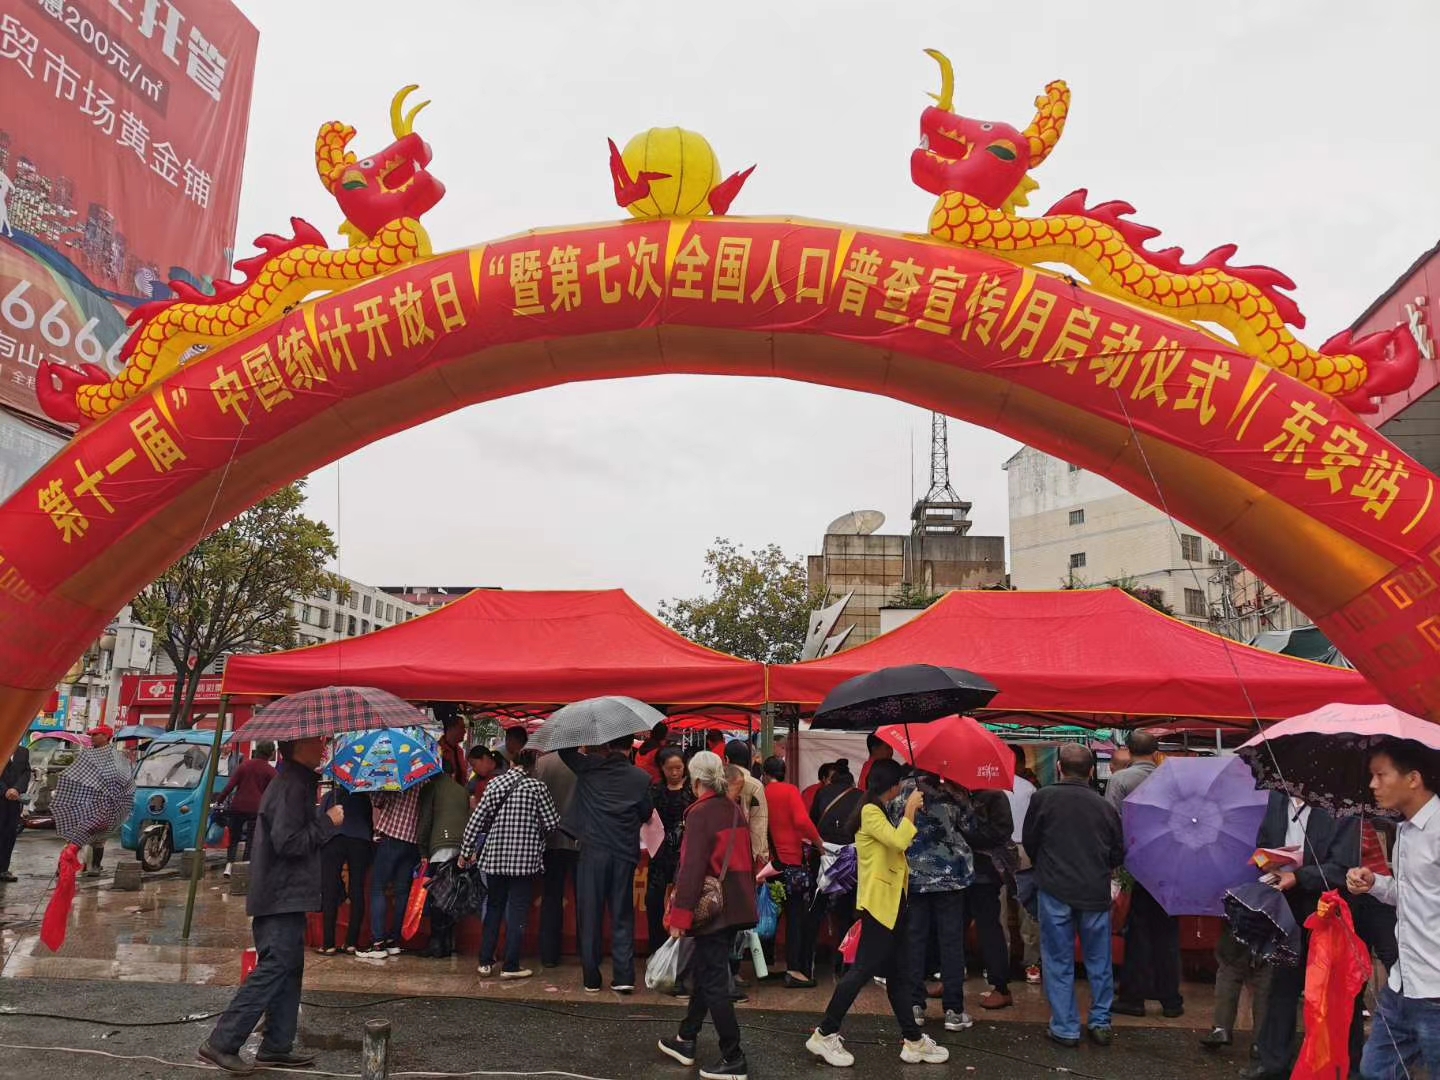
{"x": 884, "y": 950}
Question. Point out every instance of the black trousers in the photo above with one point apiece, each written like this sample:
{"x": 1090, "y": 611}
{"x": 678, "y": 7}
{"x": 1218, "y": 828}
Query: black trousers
{"x": 938, "y": 916}
{"x": 884, "y": 952}
{"x": 710, "y": 992}
{"x": 604, "y": 881}
{"x": 9, "y": 827}
{"x": 241, "y": 827}
{"x": 272, "y": 991}
{"x": 800, "y": 931}
{"x": 341, "y": 853}
{"x": 559, "y": 868}
{"x": 982, "y": 904}
{"x": 1152, "y": 954}
{"x": 657, "y": 882}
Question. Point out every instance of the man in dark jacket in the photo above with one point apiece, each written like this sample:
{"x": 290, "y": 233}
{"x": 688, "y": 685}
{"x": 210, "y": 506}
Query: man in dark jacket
{"x": 14, "y": 782}
{"x": 1331, "y": 845}
{"x": 1073, "y": 837}
{"x": 284, "y": 888}
{"x": 612, "y": 801}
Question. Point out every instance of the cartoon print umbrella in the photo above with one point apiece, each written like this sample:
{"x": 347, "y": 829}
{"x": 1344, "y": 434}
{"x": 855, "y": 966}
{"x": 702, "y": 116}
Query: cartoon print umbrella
{"x": 331, "y": 710}
{"x": 91, "y": 797}
{"x": 1190, "y": 831}
{"x": 389, "y": 759}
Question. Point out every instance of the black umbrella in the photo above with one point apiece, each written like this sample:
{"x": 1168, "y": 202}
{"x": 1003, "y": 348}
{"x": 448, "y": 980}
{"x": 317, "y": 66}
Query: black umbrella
{"x": 912, "y": 694}
{"x": 1261, "y": 920}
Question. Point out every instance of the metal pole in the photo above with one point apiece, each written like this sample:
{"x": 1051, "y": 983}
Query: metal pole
{"x": 375, "y": 1051}
{"x": 767, "y": 729}
{"x": 197, "y": 858}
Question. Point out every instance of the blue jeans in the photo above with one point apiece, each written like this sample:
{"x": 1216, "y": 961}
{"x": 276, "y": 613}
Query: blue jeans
{"x": 1404, "y": 1034}
{"x": 272, "y": 990}
{"x": 1059, "y": 923}
{"x": 395, "y": 862}
{"x": 508, "y": 902}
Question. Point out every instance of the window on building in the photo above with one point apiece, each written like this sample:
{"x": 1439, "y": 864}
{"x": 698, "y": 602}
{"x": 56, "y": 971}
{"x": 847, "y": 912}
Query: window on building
{"x": 365, "y": 605}
{"x": 1074, "y": 467}
{"x": 389, "y": 612}
{"x": 351, "y": 631}
{"x": 1077, "y": 517}
{"x": 1077, "y": 560}
{"x": 364, "y": 626}
{"x": 1195, "y": 604}
{"x": 354, "y": 601}
{"x": 1190, "y": 548}
{"x": 324, "y": 621}
{"x": 306, "y": 614}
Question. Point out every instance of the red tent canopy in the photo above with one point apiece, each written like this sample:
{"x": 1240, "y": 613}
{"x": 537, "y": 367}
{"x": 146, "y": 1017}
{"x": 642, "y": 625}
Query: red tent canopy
{"x": 1097, "y": 657}
{"x": 516, "y": 648}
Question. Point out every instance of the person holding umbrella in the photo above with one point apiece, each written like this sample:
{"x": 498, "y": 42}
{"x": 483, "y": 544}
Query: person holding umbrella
{"x": 284, "y": 888}
{"x": 884, "y": 951}
{"x": 1403, "y": 777}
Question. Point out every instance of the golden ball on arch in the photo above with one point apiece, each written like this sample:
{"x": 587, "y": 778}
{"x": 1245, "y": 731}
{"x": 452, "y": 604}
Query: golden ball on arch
{"x": 690, "y": 162}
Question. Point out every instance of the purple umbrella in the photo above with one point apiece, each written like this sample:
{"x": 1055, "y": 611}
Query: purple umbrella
{"x": 1190, "y": 831}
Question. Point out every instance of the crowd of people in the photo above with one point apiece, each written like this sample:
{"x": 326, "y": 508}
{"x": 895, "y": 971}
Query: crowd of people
{"x": 928, "y": 859}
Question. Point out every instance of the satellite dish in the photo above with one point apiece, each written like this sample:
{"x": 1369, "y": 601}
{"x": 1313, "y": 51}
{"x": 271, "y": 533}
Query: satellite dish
{"x": 856, "y": 523}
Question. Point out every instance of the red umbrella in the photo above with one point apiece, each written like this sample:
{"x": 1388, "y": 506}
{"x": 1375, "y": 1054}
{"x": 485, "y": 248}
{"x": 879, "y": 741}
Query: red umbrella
{"x": 958, "y": 749}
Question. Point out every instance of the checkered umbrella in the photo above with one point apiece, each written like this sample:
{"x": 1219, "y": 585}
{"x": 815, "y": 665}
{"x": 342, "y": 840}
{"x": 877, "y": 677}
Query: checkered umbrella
{"x": 595, "y": 722}
{"x": 331, "y": 710}
{"x": 92, "y": 795}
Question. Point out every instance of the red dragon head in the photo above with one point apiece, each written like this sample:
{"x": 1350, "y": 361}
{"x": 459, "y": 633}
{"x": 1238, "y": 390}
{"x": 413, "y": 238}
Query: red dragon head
{"x": 384, "y": 187}
{"x": 990, "y": 161}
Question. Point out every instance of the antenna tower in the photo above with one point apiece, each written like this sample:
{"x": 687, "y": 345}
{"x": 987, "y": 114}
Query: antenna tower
{"x": 941, "y": 510}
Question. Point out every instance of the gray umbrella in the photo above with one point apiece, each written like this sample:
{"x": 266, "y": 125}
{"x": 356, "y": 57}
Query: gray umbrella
{"x": 594, "y": 722}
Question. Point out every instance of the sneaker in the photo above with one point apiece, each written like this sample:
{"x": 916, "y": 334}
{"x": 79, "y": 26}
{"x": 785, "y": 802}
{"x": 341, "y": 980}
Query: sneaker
{"x": 1217, "y": 1038}
{"x": 518, "y": 973}
{"x": 919, "y": 1014}
{"x": 830, "y": 1049}
{"x": 592, "y": 989}
{"x": 1061, "y": 1040}
{"x": 375, "y": 952}
{"x": 392, "y": 948}
{"x": 681, "y": 1050}
{"x": 957, "y": 1021}
{"x": 623, "y": 988}
{"x": 729, "y": 1069}
{"x": 226, "y": 871}
{"x": 8, "y": 876}
{"x": 1032, "y": 974}
{"x": 879, "y": 981}
{"x": 923, "y": 1050}
{"x": 1101, "y": 1036}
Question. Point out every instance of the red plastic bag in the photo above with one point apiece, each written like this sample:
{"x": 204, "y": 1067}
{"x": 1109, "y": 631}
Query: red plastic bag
{"x": 57, "y": 914}
{"x": 1337, "y": 970}
{"x": 415, "y": 907}
{"x": 850, "y": 943}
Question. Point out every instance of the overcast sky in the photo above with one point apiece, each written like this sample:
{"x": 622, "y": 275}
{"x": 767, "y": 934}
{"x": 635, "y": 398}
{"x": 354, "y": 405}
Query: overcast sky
{"x": 1303, "y": 131}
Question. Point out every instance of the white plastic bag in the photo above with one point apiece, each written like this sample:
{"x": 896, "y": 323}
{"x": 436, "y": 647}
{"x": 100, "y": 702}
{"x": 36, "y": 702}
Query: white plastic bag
{"x": 667, "y": 965}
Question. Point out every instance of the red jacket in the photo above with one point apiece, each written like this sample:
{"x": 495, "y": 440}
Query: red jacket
{"x": 790, "y": 822}
{"x": 715, "y": 828}
{"x": 248, "y": 784}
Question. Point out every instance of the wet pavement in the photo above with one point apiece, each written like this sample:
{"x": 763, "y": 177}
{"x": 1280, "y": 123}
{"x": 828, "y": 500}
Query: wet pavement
{"x": 124, "y": 962}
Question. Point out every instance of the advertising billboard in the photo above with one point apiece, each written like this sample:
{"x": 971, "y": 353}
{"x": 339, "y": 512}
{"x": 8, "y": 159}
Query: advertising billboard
{"x": 122, "y": 136}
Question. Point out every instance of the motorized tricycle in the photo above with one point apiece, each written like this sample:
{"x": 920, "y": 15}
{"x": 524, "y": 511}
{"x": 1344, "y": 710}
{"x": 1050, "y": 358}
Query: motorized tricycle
{"x": 170, "y": 807}
{"x": 51, "y": 753}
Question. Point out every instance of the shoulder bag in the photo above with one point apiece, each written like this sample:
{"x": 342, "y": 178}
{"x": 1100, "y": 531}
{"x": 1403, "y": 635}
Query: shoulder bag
{"x": 712, "y": 891}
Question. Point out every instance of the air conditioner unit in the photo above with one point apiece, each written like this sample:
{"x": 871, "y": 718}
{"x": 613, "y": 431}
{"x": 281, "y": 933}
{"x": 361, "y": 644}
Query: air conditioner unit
{"x": 1217, "y": 555}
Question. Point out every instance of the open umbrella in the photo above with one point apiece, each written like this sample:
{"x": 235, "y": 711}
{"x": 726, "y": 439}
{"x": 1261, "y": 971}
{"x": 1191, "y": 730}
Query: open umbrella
{"x": 1261, "y": 920}
{"x": 91, "y": 797}
{"x": 1322, "y": 756}
{"x": 909, "y": 694}
{"x": 136, "y": 732}
{"x": 331, "y": 710}
{"x": 595, "y": 722}
{"x": 958, "y": 749}
{"x": 384, "y": 760}
{"x": 1190, "y": 831}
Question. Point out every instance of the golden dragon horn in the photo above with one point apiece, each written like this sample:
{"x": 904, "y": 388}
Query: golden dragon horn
{"x": 1044, "y": 131}
{"x": 944, "y": 99}
{"x": 404, "y": 125}
{"x": 331, "y": 157}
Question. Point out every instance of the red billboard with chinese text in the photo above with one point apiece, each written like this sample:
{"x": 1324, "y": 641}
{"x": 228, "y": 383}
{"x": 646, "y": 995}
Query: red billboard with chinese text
{"x": 122, "y": 138}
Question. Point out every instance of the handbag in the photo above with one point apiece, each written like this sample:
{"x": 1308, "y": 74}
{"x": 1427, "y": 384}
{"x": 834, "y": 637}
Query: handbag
{"x": 712, "y": 890}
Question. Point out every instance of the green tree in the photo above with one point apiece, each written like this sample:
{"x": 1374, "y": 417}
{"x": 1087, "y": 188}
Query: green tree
{"x": 911, "y": 595}
{"x": 758, "y": 607}
{"x": 235, "y": 590}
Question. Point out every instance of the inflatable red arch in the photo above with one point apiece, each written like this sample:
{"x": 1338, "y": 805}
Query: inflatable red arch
{"x": 1281, "y": 473}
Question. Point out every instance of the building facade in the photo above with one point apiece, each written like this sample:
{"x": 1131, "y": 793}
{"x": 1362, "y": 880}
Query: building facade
{"x": 1074, "y": 529}
{"x": 366, "y": 608}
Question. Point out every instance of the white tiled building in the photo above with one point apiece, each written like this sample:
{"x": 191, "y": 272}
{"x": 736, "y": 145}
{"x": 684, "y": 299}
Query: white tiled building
{"x": 1070, "y": 528}
{"x": 329, "y": 618}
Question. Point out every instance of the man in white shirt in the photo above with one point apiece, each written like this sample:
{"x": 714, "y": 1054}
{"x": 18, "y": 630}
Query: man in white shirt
{"x": 1406, "y": 1032}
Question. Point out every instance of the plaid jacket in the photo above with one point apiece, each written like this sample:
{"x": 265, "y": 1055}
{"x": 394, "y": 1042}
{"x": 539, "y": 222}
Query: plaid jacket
{"x": 515, "y": 815}
{"x": 397, "y": 814}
